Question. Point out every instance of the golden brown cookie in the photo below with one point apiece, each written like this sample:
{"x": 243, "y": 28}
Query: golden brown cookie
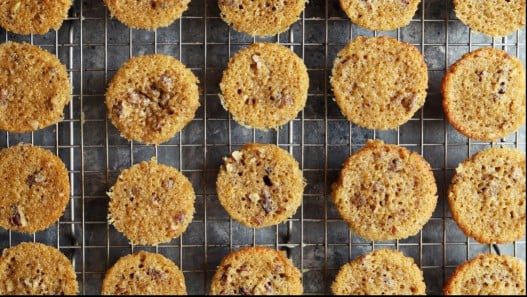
{"x": 260, "y": 185}
{"x": 35, "y": 188}
{"x": 261, "y": 17}
{"x": 484, "y": 94}
{"x": 151, "y": 203}
{"x": 144, "y": 273}
{"x": 33, "y": 17}
{"x": 380, "y": 272}
{"x": 488, "y": 274}
{"x": 147, "y": 14}
{"x": 487, "y": 195}
{"x": 380, "y": 14}
{"x": 151, "y": 98}
{"x": 256, "y": 271}
{"x": 34, "y": 88}
{"x": 264, "y": 86}
{"x": 36, "y": 269}
{"x": 379, "y": 82}
{"x": 385, "y": 192}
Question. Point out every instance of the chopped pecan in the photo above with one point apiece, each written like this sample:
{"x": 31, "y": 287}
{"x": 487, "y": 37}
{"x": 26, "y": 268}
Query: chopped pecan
{"x": 155, "y": 274}
{"x": 35, "y": 178}
{"x": 267, "y": 204}
{"x": 17, "y": 218}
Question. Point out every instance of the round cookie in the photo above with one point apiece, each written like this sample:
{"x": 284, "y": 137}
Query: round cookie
{"x": 147, "y": 14}
{"x": 34, "y": 88}
{"x": 151, "y": 203}
{"x": 380, "y": 272}
{"x": 260, "y": 185}
{"x": 261, "y": 17}
{"x": 36, "y": 269}
{"x": 491, "y": 17}
{"x": 35, "y": 188}
{"x": 264, "y": 86}
{"x": 488, "y": 274}
{"x": 380, "y": 14}
{"x": 151, "y": 98}
{"x": 33, "y": 17}
{"x": 379, "y": 82}
{"x": 256, "y": 271}
{"x": 144, "y": 273}
{"x": 385, "y": 192}
{"x": 484, "y": 94}
{"x": 487, "y": 195}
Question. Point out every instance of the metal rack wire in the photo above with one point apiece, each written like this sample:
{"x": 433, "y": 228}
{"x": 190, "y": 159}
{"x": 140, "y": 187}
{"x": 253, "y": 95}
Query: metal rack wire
{"x": 93, "y": 46}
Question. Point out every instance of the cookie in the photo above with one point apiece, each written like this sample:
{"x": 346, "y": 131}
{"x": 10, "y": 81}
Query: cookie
{"x": 151, "y": 98}
{"x": 487, "y": 195}
{"x": 151, "y": 203}
{"x": 256, "y": 271}
{"x": 147, "y": 14}
{"x": 261, "y": 17}
{"x": 260, "y": 185}
{"x": 380, "y": 14}
{"x": 33, "y": 17}
{"x": 484, "y": 94}
{"x": 380, "y": 272}
{"x": 264, "y": 86}
{"x": 491, "y": 17}
{"x": 34, "y": 88}
{"x": 488, "y": 274}
{"x": 144, "y": 273}
{"x": 35, "y": 188}
{"x": 385, "y": 192}
{"x": 379, "y": 82}
{"x": 36, "y": 269}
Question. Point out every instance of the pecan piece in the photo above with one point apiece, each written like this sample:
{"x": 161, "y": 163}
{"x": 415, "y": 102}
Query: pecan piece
{"x": 35, "y": 178}
{"x": 266, "y": 203}
{"x": 155, "y": 274}
{"x": 17, "y": 218}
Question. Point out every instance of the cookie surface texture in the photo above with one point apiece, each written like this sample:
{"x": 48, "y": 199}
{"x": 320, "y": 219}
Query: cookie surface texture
{"x": 35, "y": 188}
{"x": 34, "y": 88}
{"x": 381, "y": 272}
{"x": 261, "y": 17}
{"x": 380, "y": 14}
{"x": 256, "y": 271}
{"x": 385, "y": 192}
{"x": 264, "y": 86}
{"x": 491, "y": 17}
{"x": 260, "y": 185}
{"x": 484, "y": 94}
{"x": 33, "y": 17}
{"x": 147, "y": 14}
{"x": 151, "y": 98}
{"x": 151, "y": 203}
{"x": 487, "y": 195}
{"x": 144, "y": 273}
{"x": 488, "y": 274}
{"x": 379, "y": 82}
{"x": 36, "y": 269}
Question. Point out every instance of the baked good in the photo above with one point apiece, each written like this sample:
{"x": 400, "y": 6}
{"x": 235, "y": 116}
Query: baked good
{"x": 36, "y": 269}
{"x": 264, "y": 86}
{"x": 261, "y": 17}
{"x": 151, "y": 203}
{"x": 151, "y": 98}
{"x": 144, "y": 273}
{"x": 487, "y": 195}
{"x": 491, "y": 17}
{"x": 380, "y": 14}
{"x": 33, "y": 17}
{"x": 256, "y": 271}
{"x": 484, "y": 94}
{"x": 380, "y": 272}
{"x": 35, "y": 188}
{"x": 488, "y": 274}
{"x": 385, "y": 192}
{"x": 260, "y": 185}
{"x": 147, "y": 14}
{"x": 34, "y": 88}
{"x": 379, "y": 82}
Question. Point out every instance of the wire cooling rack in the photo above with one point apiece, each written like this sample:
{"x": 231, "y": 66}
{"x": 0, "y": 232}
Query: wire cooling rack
{"x": 93, "y": 46}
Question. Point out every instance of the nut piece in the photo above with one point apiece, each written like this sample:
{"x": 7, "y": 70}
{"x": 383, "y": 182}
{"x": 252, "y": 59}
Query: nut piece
{"x": 237, "y": 155}
{"x": 35, "y": 178}
{"x": 17, "y": 219}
